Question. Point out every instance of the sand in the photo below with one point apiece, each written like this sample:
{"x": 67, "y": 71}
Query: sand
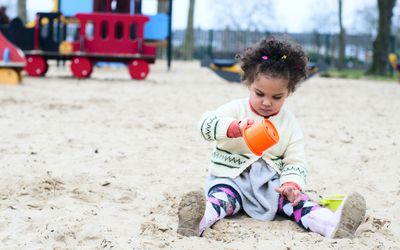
{"x": 102, "y": 163}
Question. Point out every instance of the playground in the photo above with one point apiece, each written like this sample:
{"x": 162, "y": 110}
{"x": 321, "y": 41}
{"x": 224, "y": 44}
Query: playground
{"x": 88, "y": 163}
{"x": 99, "y": 134}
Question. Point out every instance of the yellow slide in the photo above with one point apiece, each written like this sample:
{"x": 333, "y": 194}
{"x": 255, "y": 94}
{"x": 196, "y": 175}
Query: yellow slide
{"x": 10, "y": 76}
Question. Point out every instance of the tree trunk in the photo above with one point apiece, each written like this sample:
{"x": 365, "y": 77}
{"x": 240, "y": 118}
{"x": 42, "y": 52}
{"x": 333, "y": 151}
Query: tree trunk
{"x": 342, "y": 39}
{"x": 162, "y": 6}
{"x": 381, "y": 44}
{"x": 22, "y": 10}
{"x": 188, "y": 45}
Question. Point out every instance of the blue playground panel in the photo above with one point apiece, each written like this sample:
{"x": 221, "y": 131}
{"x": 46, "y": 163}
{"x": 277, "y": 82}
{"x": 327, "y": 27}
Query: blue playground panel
{"x": 72, "y": 7}
{"x": 6, "y": 55}
{"x": 157, "y": 27}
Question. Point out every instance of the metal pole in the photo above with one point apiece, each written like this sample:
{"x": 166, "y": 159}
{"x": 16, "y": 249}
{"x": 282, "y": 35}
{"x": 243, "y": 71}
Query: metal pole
{"x": 132, "y": 7}
{"x": 138, "y": 6}
{"x": 169, "y": 39}
{"x": 210, "y": 43}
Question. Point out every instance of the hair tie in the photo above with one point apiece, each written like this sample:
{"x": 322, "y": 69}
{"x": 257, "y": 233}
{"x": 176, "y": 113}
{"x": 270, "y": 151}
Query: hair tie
{"x": 264, "y": 58}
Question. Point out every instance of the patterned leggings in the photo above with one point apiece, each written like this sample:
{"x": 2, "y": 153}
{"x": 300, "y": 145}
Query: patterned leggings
{"x": 226, "y": 201}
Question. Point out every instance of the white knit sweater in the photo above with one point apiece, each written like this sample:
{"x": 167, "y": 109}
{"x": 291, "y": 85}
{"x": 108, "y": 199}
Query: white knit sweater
{"x": 231, "y": 156}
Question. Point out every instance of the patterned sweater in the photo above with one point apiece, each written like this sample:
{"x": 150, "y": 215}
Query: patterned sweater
{"x": 231, "y": 156}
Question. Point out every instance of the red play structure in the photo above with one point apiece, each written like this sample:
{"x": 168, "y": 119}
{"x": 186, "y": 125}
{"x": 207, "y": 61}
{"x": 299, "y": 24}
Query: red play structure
{"x": 116, "y": 37}
{"x": 110, "y": 34}
{"x": 105, "y": 37}
{"x": 12, "y": 61}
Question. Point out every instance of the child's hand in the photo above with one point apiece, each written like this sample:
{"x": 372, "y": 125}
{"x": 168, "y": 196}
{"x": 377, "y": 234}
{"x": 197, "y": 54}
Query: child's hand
{"x": 245, "y": 123}
{"x": 291, "y": 191}
{"x": 236, "y": 127}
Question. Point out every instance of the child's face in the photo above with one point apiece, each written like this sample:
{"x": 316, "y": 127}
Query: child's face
{"x": 267, "y": 94}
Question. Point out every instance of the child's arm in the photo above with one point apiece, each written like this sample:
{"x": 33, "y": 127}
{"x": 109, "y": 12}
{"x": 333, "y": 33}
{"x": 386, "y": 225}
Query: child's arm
{"x": 221, "y": 123}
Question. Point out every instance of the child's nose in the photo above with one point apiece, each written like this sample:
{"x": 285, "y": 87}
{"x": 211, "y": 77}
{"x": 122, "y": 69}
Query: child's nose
{"x": 267, "y": 102}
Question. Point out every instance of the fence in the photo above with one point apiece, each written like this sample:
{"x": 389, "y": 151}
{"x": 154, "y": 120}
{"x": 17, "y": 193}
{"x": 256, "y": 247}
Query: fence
{"x": 322, "y": 48}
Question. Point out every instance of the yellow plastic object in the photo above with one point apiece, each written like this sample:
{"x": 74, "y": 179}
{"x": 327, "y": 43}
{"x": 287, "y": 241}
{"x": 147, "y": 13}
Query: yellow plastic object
{"x": 393, "y": 60}
{"x": 10, "y": 76}
{"x": 234, "y": 68}
{"x": 332, "y": 202}
{"x": 65, "y": 48}
{"x": 55, "y": 6}
{"x": 31, "y": 24}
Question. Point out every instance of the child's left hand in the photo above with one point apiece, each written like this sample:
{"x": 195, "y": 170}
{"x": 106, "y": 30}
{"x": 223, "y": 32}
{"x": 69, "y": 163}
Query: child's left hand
{"x": 291, "y": 191}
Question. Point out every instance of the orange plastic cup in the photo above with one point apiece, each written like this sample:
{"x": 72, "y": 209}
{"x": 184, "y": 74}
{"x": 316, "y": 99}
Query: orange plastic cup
{"x": 260, "y": 137}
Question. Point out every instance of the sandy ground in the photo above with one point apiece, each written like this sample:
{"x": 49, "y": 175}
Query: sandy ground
{"x": 102, "y": 163}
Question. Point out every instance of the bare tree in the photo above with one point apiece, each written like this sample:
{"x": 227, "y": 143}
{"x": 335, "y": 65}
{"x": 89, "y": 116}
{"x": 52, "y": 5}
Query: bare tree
{"x": 365, "y": 20}
{"x": 396, "y": 27}
{"x": 244, "y": 15}
{"x": 4, "y": 19}
{"x": 22, "y": 10}
{"x": 188, "y": 45}
{"x": 324, "y": 23}
{"x": 162, "y": 6}
{"x": 323, "y": 20}
{"x": 382, "y": 42}
{"x": 342, "y": 38}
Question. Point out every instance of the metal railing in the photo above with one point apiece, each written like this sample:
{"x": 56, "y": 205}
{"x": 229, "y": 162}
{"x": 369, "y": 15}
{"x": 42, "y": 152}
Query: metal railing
{"x": 323, "y": 48}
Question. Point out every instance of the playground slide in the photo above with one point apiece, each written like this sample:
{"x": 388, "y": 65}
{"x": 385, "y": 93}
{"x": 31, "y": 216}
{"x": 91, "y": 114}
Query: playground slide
{"x": 12, "y": 62}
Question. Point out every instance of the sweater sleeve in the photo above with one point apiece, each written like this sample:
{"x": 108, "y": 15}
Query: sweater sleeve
{"x": 294, "y": 160}
{"x": 213, "y": 125}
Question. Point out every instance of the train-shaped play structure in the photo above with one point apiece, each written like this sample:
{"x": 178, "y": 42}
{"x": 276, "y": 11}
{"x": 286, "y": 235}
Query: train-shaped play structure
{"x": 87, "y": 38}
{"x": 104, "y": 37}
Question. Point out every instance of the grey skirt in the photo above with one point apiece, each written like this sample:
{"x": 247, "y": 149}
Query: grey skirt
{"x": 256, "y": 187}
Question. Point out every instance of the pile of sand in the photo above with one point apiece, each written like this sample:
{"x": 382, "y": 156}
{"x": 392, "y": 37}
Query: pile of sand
{"x": 101, "y": 163}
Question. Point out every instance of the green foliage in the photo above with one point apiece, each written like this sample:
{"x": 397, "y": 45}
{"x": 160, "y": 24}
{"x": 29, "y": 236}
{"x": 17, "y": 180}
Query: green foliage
{"x": 356, "y": 74}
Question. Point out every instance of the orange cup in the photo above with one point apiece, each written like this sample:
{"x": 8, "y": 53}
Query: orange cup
{"x": 260, "y": 137}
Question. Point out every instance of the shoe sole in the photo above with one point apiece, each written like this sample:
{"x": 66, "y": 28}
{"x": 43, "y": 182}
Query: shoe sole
{"x": 353, "y": 212}
{"x": 190, "y": 212}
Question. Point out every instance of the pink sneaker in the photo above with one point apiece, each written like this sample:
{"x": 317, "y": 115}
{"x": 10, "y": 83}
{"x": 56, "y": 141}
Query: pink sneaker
{"x": 350, "y": 215}
{"x": 342, "y": 223}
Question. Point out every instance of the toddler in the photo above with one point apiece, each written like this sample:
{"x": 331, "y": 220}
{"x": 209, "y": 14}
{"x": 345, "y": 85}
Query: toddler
{"x": 273, "y": 183}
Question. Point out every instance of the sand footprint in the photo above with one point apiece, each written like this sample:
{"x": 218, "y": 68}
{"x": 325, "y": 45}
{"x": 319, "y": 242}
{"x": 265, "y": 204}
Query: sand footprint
{"x": 88, "y": 196}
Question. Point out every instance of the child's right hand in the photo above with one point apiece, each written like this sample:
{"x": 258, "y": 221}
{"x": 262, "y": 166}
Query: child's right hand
{"x": 236, "y": 127}
{"x": 245, "y": 123}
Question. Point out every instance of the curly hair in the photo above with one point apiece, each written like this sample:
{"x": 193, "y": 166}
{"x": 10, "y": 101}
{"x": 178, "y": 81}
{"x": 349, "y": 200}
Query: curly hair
{"x": 274, "y": 57}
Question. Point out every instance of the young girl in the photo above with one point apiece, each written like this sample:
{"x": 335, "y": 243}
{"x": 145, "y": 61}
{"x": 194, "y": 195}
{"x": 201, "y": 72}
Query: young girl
{"x": 271, "y": 184}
